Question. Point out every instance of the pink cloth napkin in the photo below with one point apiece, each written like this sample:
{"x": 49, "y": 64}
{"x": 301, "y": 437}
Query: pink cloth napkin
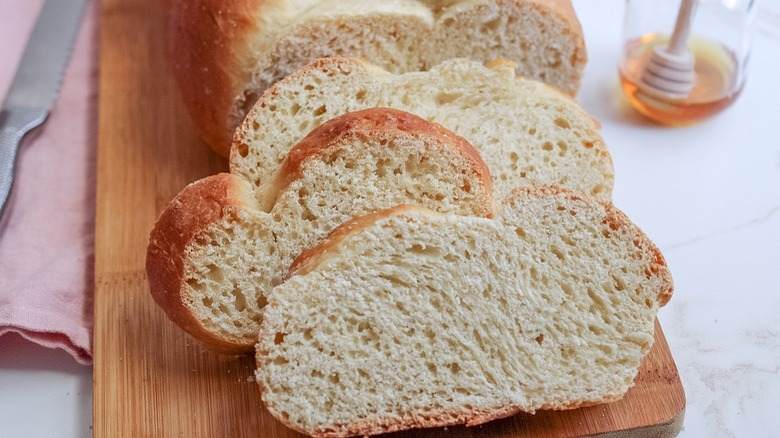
{"x": 47, "y": 246}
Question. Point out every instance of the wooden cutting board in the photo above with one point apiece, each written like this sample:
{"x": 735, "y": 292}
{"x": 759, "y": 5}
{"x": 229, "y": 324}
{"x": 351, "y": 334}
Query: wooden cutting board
{"x": 150, "y": 378}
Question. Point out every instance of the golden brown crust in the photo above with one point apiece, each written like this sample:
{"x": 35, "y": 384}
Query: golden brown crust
{"x": 469, "y": 417}
{"x": 209, "y": 53}
{"x": 198, "y": 206}
{"x": 434, "y": 418}
{"x": 375, "y": 123}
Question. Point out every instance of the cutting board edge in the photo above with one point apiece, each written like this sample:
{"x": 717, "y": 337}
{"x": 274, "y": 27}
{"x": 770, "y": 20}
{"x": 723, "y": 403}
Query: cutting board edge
{"x": 668, "y": 429}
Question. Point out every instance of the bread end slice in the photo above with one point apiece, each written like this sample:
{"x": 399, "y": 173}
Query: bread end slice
{"x": 199, "y": 206}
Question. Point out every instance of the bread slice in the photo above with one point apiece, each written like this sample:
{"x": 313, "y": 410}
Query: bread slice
{"x": 527, "y": 133}
{"x": 227, "y": 52}
{"x": 410, "y": 318}
{"x": 222, "y": 244}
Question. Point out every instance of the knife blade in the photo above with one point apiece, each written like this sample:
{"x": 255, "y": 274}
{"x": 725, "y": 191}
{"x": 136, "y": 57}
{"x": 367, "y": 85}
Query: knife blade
{"x": 36, "y": 84}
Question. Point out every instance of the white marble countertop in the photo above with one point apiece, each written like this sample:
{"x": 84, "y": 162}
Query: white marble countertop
{"x": 708, "y": 195}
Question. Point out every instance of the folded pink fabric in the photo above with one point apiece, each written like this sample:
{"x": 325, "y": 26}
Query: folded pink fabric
{"x": 46, "y": 247}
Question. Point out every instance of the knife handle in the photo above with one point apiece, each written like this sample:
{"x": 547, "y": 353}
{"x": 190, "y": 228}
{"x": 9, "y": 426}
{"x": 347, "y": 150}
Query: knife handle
{"x": 15, "y": 123}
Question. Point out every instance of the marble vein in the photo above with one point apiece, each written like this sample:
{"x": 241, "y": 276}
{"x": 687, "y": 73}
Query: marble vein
{"x": 757, "y": 220}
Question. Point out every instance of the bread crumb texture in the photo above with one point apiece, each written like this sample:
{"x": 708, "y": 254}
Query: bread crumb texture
{"x": 527, "y": 133}
{"x": 543, "y": 38}
{"x": 418, "y": 319}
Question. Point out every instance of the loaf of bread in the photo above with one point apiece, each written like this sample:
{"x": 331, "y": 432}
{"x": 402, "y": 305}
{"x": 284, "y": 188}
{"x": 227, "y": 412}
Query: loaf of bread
{"x": 528, "y": 133}
{"x": 410, "y": 318}
{"x": 222, "y": 244}
{"x": 227, "y": 52}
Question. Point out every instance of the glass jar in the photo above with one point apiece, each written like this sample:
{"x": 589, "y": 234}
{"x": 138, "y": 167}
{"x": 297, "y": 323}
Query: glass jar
{"x": 719, "y": 41}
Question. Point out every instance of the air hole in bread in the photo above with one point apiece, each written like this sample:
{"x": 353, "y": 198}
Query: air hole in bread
{"x": 487, "y": 291}
{"x": 322, "y": 109}
{"x": 381, "y": 167}
{"x": 446, "y": 98}
{"x": 262, "y": 301}
{"x": 563, "y": 148}
{"x": 243, "y": 149}
{"x": 215, "y": 273}
{"x": 492, "y": 25}
{"x": 596, "y": 330}
{"x": 562, "y": 123}
{"x": 307, "y": 215}
{"x": 478, "y": 338}
{"x": 620, "y": 285}
{"x": 411, "y": 164}
{"x": 239, "y": 300}
{"x": 597, "y": 300}
{"x": 426, "y": 251}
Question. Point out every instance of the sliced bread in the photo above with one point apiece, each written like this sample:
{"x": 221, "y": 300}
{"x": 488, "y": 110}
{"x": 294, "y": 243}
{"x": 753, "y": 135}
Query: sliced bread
{"x": 222, "y": 244}
{"x": 410, "y": 318}
{"x": 527, "y": 132}
{"x": 227, "y": 52}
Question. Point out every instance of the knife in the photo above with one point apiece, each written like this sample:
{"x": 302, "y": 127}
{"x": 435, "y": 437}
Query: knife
{"x": 37, "y": 82}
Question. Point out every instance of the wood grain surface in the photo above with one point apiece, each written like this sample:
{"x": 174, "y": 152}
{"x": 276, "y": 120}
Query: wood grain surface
{"x": 152, "y": 380}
